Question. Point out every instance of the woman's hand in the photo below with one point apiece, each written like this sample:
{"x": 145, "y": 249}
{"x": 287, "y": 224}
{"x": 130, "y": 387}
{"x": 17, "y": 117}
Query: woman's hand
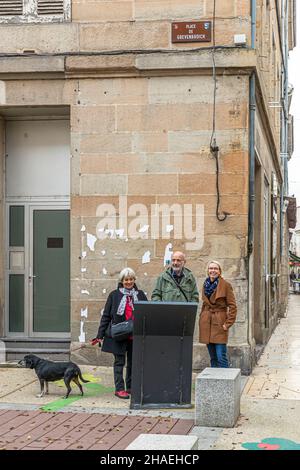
{"x": 95, "y": 341}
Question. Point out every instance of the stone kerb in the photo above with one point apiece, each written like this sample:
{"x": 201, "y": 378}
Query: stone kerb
{"x": 217, "y": 397}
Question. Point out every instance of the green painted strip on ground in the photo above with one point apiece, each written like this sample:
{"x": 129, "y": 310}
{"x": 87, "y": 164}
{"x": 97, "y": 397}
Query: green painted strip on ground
{"x": 58, "y": 404}
{"x": 90, "y": 390}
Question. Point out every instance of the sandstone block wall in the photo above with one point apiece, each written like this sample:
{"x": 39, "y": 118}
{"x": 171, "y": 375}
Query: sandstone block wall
{"x": 147, "y": 139}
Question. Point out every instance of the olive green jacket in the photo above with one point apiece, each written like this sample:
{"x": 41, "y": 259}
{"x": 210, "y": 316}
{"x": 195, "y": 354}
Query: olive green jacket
{"x": 166, "y": 289}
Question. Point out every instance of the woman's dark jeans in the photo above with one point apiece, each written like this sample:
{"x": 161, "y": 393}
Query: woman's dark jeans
{"x": 119, "y": 366}
{"x": 218, "y": 355}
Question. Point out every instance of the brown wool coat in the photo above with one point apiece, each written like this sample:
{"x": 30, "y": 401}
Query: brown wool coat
{"x": 220, "y": 309}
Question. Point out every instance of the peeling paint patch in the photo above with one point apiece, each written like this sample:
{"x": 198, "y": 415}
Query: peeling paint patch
{"x": 146, "y": 257}
{"x": 110, "y": 232}
{"x": 83, "y": 270}
{"x": 91, "y": 240}
{"x": 83, "y": 228}
{"x": 103, "y": 252}
{"x": 169, "y": 228}
{"x": 104, "y": 271}
{"x": 144, "y": 229}
{"x": 81, "y": 337}
{"x": 84, "y": 312}
{"x": 272, "y": 443}
{"x": 120, "y": 232}
{"x": 84, "y": 291}
{"x": 168, "y": 254}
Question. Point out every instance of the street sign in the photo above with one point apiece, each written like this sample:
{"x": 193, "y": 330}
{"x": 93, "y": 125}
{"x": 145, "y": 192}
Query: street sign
{"x": 191, "y": 31}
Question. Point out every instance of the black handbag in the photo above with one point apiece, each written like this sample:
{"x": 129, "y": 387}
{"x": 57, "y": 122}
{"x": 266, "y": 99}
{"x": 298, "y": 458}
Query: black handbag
{"x": 122, "y": 331}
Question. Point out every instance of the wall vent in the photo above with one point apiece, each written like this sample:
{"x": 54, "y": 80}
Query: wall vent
{"x": 11, "y": 7}
{"x": 50, "y": 7}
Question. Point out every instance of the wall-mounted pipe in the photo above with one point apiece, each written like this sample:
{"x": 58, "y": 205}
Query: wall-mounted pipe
{"x": 253, "y": 23}
{"x": 251, "y": 163}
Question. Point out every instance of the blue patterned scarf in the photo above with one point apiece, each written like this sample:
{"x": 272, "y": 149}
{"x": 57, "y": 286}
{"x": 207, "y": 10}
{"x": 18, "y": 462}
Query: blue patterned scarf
{"x": 210, "y": 287}
{"x": 133, "y": 297}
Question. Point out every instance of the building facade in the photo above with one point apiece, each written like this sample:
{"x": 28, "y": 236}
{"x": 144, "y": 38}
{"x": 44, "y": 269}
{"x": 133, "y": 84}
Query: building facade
{"x": 295, "y": 235}
{"x": 130, "y": 128}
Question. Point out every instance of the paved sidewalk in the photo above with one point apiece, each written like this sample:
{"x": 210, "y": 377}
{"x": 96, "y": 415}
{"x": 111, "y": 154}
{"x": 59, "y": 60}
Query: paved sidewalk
{"x": 38, "y": 430}
{"x": 270, "y": 405}
{"x": 96, "y": 421}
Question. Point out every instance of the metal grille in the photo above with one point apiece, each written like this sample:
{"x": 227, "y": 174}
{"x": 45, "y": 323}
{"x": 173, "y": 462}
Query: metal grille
{"x": 11, "y": 7}
{"x": 50, "y": 7}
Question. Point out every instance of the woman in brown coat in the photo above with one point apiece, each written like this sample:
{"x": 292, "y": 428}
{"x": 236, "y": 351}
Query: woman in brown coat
{"x": 217, "y": 315}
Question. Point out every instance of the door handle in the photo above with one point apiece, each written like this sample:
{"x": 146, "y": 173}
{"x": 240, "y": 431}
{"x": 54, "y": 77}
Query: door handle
{"x": 31, "y": 276}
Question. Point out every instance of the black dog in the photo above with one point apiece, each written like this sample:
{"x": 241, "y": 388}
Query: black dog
{"x": 49, "y": 371}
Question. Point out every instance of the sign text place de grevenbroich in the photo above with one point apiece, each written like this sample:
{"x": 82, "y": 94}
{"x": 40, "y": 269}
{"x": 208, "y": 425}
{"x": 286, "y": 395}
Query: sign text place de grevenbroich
{"x": 192, "y": 31}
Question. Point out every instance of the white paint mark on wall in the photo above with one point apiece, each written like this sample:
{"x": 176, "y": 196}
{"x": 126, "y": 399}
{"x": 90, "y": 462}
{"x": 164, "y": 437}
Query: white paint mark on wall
{"x": 169, "y": 228}
{"x": 103, "y": 252}
{"x": 146, "y": 257}
{"x": 91, "y": 240}
{"x": 110, "y": 232}
{"x": 81, "y": 337}
{"x": 144, "y": 229}
{"x": 84, "y": 291}
{"x": 145, "y": 274}
{"x": 83, "y": 270}
{"x": 168, "y": 254}
{"x": 84, "y": 312}
{"x": 104, "y": 291}
{"x": 83, "y": 228}
{"x": 120, "y": 233}
{"x": 83, "y": 254}
{"x": 104, "y": 271}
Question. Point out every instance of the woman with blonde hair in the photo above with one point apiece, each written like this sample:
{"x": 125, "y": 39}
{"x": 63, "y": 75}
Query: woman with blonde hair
{"x": 119, "y": 308}
{"x": 217, "y": 315}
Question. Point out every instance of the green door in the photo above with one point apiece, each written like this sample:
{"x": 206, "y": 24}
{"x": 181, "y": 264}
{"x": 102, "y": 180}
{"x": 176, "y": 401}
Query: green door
{"x": 51, "y": 271}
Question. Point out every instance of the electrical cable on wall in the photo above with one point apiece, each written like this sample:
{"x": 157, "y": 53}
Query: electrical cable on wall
{"x": 33, "y": 53}
{"x": 214, "y": 149}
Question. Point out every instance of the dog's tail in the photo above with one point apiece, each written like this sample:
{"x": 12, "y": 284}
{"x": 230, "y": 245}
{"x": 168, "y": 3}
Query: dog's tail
{"x": 82, "y": 379}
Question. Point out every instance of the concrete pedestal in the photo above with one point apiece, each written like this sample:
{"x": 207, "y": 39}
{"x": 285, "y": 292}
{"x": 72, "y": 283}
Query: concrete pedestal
{"x": 217, "y": 397}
